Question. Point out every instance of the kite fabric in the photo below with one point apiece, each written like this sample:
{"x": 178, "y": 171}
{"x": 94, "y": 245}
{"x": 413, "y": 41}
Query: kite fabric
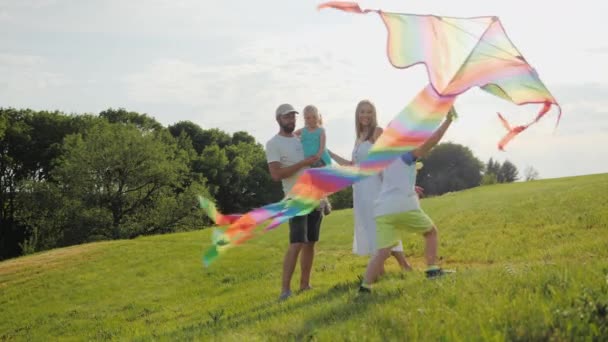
{"x": 459, "y": 53}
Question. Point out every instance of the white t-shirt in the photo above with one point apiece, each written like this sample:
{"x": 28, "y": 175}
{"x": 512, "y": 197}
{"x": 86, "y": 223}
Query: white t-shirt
{"x": 287, "y": 151}
{"x": 397, "y": 192}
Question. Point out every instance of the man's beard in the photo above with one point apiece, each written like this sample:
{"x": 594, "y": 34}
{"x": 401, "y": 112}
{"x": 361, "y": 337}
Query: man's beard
{"x": 288, "y": 128}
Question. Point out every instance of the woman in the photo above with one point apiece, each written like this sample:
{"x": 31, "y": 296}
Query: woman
{"x": 366, "y": 190}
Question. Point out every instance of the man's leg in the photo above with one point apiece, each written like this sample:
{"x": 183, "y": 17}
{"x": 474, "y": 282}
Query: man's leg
{"x": 313, "y": 225}
{"x": 297, "y": 239}
{"x": 289, "y": 265}
{"x": 308, "y": 254}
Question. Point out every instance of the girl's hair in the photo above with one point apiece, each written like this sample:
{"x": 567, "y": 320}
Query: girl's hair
{"x": 315, "y": 111}
{"x": 373, "y": 124}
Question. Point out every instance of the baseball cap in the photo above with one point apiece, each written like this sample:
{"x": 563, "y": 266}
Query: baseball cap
{"x": 285, "y": 108}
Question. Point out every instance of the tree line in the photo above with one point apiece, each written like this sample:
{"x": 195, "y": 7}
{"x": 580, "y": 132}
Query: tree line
{"x": 70, "y": 179}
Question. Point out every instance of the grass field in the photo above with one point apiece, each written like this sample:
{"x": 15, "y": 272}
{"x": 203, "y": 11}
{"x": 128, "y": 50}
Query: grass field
{"x": 531, "y": 261}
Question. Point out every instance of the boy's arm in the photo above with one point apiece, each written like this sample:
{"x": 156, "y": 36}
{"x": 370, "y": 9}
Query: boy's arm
{"x": 377, "y": 133}
{"x": 423, "y": 149}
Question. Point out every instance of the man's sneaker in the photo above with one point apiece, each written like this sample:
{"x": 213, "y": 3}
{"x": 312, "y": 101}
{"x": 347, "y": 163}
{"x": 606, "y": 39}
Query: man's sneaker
{"x": 437, "y": 273}
{"x": 284, "y": 296}
{"x": 304, "y": 289}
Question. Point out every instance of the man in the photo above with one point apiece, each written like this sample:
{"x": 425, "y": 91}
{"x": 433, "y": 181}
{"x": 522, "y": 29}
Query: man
{"x": 286, "y": 161}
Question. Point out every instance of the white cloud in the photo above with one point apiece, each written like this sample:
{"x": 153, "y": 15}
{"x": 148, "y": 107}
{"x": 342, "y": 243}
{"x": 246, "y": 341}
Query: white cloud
{"x": 27, "y": 74}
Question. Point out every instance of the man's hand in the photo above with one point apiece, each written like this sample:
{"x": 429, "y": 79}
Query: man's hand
{"x": 311, "y": 160}
{"x": 419, "y": 190}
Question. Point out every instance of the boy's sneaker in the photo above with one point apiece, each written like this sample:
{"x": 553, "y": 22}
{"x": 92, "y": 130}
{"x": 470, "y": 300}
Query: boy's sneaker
{"x": 363, "y": 289}
{"x": 437, "y": 273}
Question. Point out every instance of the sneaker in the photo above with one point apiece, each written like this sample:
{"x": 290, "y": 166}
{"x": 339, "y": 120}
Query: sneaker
{"x": 284, "y": 296}
{"x": 437, "y": 273}
{"x": 307, "y": 288}
{"x": 363, "y": 289}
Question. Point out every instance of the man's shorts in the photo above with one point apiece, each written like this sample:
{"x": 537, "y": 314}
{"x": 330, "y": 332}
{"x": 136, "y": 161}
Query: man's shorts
{"x": 415, "y": 221}
{"x": 305, "y": 228}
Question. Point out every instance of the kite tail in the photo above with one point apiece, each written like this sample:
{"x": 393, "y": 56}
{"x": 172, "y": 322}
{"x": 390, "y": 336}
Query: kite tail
{"x": 211, "y": 210}
{"x": 514, "y": 131}
{"x": 345, "y": 6}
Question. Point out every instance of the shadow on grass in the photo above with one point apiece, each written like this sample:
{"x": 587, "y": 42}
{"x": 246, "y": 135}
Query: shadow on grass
{"x": 353, "y": 305}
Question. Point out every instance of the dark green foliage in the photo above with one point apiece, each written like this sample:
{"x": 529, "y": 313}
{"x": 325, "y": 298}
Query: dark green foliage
{"x": 342, "y": 199}
{"x": 449, "y": 167}
{"x": 69, "y": 179}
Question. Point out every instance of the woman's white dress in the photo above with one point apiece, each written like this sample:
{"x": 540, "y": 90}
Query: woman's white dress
{"x": 364, "y": 195}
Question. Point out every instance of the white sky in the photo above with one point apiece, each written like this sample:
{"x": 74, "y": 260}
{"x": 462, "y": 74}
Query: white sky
{"x": 229, "y": 64}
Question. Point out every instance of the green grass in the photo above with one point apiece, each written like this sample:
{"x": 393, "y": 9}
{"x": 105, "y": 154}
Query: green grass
{"x": 532, "y": 262}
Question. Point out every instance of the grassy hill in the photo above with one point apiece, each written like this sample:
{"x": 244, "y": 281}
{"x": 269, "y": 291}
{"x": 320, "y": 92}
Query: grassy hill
{"x": 532, "y": 262}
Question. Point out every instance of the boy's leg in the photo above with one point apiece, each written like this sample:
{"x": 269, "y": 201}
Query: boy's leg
{"x": 430, "y": 249}
{"x": 400, "y": 257}
{"x": 417, "y": 221}
{"x": 430, "y": 252}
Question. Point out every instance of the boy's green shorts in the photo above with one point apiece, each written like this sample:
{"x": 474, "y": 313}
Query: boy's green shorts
{"x": 415, "y": 221}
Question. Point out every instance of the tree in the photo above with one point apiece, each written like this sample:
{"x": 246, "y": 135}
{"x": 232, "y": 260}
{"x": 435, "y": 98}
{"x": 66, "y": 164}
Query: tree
{"x": 449, "y": 167}
{"x": 492, "y": 167}
{"x": 242, "y": 137}
{"x": 508, "y": 173}
{"x": 117, "y": 178}
{"x": 530, "y": 174}
{"x": 342, "y": 199}
{"x": 141, "y": 121}
{"x": 30, "y": 142}
{"x": 193, "y": 131}
{"x": 489, "y": 179}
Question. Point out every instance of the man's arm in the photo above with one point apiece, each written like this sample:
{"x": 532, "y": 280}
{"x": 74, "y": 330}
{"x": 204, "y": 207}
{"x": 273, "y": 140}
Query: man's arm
{"x": 423, "y": 149}
{"x": 278, "y": 173}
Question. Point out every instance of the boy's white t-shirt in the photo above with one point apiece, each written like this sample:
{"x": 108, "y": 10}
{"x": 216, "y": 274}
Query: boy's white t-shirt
{"x": 287, "y": 151}
{"x": 397, "y": 192}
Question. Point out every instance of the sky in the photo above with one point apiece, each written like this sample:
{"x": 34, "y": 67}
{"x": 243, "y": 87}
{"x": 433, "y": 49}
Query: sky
{"x": 229, "y": 64}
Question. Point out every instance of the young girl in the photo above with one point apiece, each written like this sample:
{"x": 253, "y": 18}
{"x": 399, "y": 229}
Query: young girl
{"x": 313, "y": 140}
{"x": 312, "y": 136}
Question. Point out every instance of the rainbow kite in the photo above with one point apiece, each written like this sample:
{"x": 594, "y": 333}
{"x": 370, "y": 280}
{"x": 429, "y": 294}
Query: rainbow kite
{"x": 458, "y": 53}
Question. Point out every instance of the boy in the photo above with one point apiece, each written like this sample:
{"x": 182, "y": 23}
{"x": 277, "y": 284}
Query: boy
{"x": 398, "y": 206}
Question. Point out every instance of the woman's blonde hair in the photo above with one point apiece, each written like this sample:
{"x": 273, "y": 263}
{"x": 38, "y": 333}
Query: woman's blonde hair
{"x": 315, "y": 111}
{"x": 373, "y": 124}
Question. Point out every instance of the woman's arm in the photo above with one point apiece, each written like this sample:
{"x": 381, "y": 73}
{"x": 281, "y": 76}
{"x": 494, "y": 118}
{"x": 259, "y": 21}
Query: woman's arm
{"x": 339, "y": 159}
